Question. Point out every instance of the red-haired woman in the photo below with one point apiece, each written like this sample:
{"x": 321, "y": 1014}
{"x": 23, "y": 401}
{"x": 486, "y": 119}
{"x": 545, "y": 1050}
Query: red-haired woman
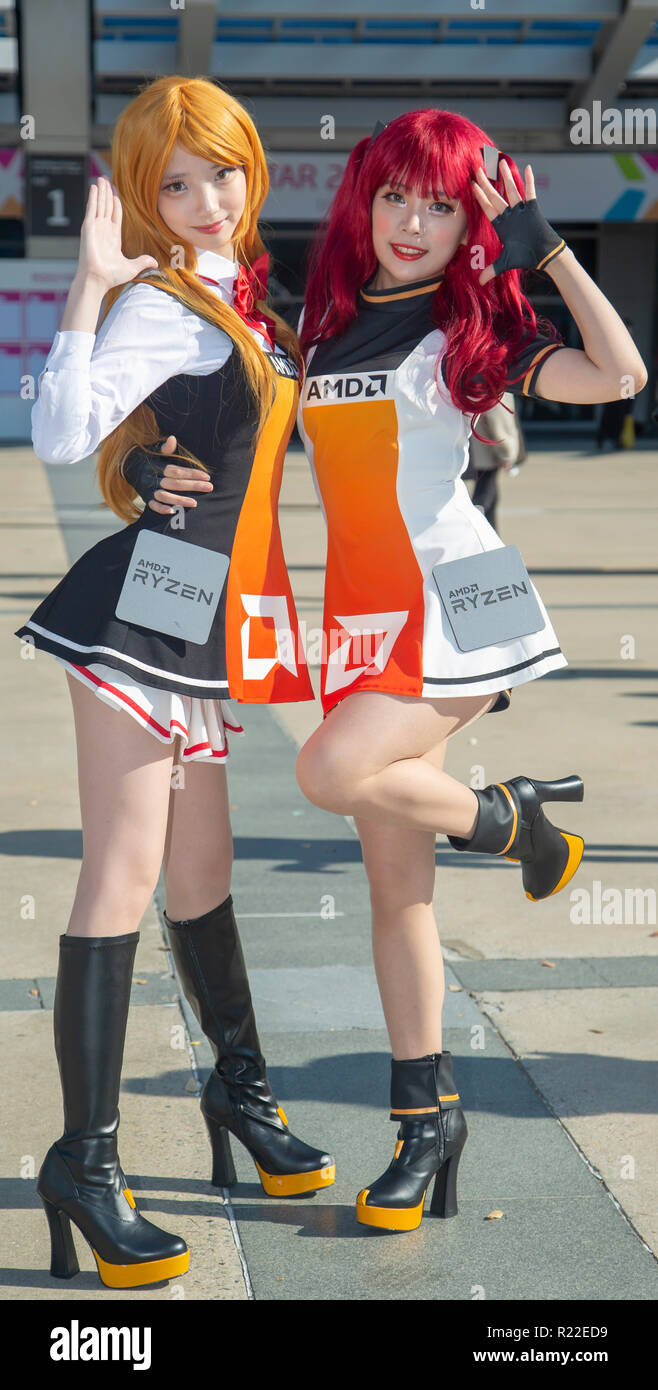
{"x": 414, "y": 319}
{"x": 186, "y": 349}
{"x": 414, "y": 323}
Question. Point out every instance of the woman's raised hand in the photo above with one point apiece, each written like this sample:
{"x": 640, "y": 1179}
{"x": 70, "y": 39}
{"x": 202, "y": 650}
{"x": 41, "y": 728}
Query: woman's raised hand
{"x": 101, "y": 257}
{"x": 529, "y": 241}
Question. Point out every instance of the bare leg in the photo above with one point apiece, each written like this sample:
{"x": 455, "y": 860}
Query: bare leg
{"x": 405, "y": 942}
{"x": 124, "y": 784}
{"x": 198, "y": 855}
{"x": 369, "y": 759}
{"x": 401, "y": 870}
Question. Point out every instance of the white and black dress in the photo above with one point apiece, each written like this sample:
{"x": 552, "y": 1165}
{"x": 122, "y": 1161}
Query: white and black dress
{"x": 388, "y": 448}
{"x": 152, "y": 348}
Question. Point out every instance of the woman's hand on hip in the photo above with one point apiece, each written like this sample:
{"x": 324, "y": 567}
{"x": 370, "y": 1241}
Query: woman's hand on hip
{"x": 160, "y": 483}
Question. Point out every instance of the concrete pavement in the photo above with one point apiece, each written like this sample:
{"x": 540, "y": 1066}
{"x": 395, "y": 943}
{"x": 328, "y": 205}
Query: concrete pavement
{"x": 559, "y": 997}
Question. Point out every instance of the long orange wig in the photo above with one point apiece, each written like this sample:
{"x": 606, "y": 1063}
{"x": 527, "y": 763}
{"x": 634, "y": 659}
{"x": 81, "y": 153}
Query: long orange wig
{"x": 207, "y": 121}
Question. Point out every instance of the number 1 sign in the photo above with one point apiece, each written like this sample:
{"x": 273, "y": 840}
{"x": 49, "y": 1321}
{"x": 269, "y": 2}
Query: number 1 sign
{"x": 56, "y": 194}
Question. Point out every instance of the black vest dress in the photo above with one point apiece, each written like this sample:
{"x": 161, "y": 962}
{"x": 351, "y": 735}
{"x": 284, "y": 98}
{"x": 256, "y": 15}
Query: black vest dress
{"x": 253, "y": 652}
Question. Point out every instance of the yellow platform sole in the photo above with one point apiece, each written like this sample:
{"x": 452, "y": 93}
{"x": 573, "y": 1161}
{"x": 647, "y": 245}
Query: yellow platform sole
{"x": 294, "y": 1184}
{"x": 133, "y": 1276}
{"x": 388, "y": 1218}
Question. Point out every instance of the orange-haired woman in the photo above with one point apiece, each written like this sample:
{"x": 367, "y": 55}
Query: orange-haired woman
{"x": 164, "y": 620}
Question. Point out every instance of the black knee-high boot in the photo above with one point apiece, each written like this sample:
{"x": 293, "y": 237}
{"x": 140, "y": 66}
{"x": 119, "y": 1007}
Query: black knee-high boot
{"x": 237, "y": 1097}
{"x": 432, "y": 1134}
{"x": 80, "y": 1179}
{"x": 511, "y": 823}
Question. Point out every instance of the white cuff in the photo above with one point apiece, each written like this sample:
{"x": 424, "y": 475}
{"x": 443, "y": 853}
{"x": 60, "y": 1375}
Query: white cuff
{"x": 71, "y": 348}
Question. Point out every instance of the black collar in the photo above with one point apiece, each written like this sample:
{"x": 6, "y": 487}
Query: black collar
{"x": 402, "y": 297}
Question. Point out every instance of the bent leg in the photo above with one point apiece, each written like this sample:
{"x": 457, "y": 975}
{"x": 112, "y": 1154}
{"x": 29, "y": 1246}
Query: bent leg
{"x": 372, "y": 759}
{"x": 124, "y": 782}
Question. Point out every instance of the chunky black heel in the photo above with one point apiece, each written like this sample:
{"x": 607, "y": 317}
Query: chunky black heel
{"x": 431, "y": 1137}
{"x": 511, "y": 823}
{"x": 566, "y": 789}
{"x": 80, "y": 1179}
{"x": 63, "y": 1259}
{"x": 444, "y": 1195}
{"x": 237, "y": 1098}
{"x": 223, "y": 1168}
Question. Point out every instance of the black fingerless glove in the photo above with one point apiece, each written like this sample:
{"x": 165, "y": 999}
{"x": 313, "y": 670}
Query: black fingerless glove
{"x": 144, "y": 470}
{"x": 529, "y": 241}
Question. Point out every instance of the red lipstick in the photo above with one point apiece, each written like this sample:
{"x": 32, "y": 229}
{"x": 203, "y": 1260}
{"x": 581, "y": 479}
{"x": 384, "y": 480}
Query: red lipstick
{"x": 407, "y": 253}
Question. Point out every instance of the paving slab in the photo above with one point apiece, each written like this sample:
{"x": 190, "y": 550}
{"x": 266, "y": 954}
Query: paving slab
{"x": 567, "y": 973}
{"x": 593, "y": 1056}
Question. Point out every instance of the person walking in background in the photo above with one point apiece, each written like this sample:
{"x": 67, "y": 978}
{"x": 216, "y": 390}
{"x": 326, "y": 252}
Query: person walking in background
{"x": 502, "y": 425}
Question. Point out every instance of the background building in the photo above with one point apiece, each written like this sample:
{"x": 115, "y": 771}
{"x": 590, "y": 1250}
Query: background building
{"x": 315, "y": 83}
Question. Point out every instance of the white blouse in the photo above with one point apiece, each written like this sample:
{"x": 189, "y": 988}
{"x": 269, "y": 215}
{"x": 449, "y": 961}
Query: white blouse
{"x": 92, "y": 381}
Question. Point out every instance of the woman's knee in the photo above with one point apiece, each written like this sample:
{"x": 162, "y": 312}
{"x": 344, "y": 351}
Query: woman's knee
{"x": 317, "y": 774}
{"x": 306, "y": 772}
{"x": 324, "y": 778}
{"x": 123, "y": 886}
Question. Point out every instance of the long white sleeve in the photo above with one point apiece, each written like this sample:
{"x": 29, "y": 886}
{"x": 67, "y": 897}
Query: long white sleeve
{"x": 91, "y": 382}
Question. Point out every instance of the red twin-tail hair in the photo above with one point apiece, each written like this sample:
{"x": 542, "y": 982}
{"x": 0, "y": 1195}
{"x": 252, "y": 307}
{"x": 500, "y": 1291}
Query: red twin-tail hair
{"x": 484, "y": 324}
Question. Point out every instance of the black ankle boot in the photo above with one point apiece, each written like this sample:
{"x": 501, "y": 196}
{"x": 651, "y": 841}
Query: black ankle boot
{"x": 81, "y": 1179}
{"x": 237, "y": 1096}
{"x": 431, "y": 1137}
{"x": 511, "y": 823}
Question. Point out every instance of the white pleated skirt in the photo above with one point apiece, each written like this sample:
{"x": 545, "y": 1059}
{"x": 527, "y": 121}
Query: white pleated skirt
{"x": 201, "y": 724}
